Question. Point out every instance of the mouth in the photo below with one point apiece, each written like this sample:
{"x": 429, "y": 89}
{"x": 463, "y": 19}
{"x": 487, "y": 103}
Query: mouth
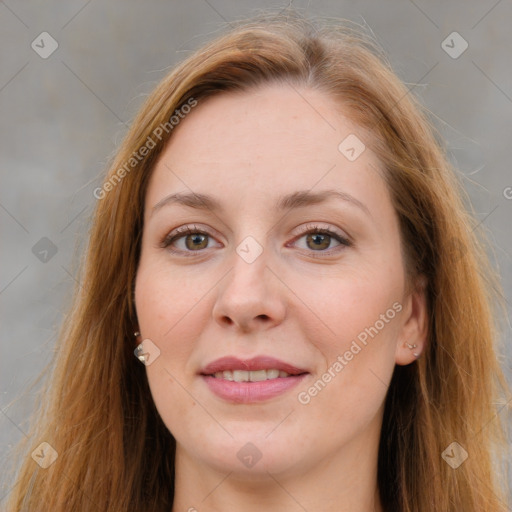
{"x": 251, "y": 380}
{"x": 250, "y": 376}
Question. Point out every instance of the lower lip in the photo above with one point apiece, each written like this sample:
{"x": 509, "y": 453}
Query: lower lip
{"x": 248, "y": 392}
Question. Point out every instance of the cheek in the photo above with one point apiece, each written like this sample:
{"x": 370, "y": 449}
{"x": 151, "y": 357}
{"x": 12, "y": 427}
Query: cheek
{"x": 355, "y": 327}
{"x": 338, "y": 309}
{"x": 165, "y": 302}
{"x": 169, "y": 314}
{"x": 352, "y": 385}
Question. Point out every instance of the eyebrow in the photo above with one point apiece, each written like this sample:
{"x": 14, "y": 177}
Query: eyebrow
{"x": 299, "y": 199}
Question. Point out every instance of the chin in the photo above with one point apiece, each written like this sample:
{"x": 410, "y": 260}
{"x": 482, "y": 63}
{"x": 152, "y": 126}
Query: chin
{"x": 251, "y": 453}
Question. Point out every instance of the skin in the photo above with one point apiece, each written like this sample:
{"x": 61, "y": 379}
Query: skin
{"x": 247, "y": 150}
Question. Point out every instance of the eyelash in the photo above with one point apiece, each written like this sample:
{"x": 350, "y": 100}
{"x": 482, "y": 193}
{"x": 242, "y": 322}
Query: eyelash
{"x": 306, "y": 230}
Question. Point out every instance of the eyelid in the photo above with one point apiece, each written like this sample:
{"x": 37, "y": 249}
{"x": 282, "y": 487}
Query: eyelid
{"x": 317, "y": 227}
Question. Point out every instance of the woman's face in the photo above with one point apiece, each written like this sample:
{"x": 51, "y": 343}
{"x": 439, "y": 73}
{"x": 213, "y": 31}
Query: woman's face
{"x": 277, "y": 339}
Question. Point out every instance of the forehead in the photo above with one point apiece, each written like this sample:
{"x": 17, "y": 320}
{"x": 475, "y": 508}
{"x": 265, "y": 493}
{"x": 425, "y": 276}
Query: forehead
{"x": 275, "y": 138}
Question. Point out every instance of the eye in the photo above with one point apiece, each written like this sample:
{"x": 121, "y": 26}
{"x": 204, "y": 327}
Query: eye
{"x": 187, "y": 239}
{"x": 319, "y": 239}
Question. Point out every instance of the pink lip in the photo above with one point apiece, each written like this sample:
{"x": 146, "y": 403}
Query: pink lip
{"x": 254, "y": 364}
{"x": 248, "y": 392}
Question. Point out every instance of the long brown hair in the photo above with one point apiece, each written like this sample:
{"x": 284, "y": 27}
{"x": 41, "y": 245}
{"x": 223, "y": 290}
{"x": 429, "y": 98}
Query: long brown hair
{"x": 115, "y": 453}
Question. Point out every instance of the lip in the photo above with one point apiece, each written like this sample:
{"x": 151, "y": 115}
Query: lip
{"x": 251, "y": 392}
{"x": 254, "y": 364}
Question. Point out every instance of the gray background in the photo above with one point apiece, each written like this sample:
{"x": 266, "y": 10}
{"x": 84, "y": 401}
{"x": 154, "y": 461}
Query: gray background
{"x": 62, "y": 118}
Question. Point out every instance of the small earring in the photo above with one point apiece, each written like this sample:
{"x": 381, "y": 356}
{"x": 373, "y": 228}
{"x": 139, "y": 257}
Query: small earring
{"x": 136, "y": 334}
{"x": 415, "y": 354}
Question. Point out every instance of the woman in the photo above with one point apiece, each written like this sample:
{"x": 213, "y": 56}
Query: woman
{"x": 281, "y": 243}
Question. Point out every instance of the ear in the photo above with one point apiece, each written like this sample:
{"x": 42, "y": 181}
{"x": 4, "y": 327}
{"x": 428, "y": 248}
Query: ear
{"x": 412, "y": 338}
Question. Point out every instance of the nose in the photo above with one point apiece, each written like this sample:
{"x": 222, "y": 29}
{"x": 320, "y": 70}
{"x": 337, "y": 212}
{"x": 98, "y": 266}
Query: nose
{"x": 250, "y": 298}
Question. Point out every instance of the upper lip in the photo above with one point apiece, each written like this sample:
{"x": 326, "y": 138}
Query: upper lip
{"x": 254, "y": 364}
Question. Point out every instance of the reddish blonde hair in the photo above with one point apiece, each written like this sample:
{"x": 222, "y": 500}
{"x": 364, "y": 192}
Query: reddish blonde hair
{"x": 116, "y": 454}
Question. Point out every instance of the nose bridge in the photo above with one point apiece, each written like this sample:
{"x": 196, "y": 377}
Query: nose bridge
{"x": 252, "y": 252}
{"x": 249, "y": 266}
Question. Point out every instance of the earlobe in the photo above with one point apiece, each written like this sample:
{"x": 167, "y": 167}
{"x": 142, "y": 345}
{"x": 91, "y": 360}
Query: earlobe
{"x": 412, "y": 339}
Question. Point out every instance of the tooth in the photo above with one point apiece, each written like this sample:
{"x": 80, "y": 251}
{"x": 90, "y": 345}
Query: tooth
{"x": 227, "y": 374}
{"x": 272, "y": 374}
{"x": 240, "y": 375}
{"x": 258, "y": 375}
{"x": 283, "y": 374}
{"x": 218, "y": 375}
